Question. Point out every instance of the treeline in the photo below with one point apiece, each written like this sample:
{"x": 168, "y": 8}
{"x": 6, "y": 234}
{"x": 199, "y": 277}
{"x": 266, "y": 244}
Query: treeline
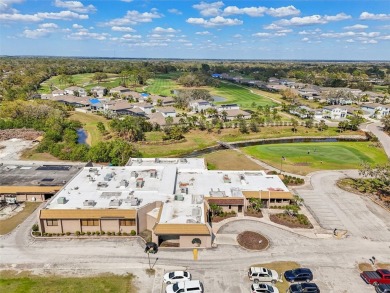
{"x": 60, "y": 138}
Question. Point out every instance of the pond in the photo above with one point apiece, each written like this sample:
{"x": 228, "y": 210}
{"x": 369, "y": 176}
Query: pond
{"x": 81, "y": 136}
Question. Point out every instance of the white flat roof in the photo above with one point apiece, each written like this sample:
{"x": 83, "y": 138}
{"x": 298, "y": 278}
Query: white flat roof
{"x": 180, "y": 163}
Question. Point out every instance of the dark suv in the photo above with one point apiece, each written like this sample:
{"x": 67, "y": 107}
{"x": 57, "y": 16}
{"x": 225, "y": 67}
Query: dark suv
{"x": 298, "y": 275}
{"x": 304, "y": 288}
{"x": 383, "y": 288}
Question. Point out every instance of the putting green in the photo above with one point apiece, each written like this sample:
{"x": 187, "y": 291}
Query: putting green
{"x": 303, "y": 158}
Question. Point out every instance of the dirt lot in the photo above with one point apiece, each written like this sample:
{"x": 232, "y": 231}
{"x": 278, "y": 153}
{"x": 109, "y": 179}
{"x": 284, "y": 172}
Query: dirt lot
{"x": 25, "y": 134}
{"x": 12, "y": 149}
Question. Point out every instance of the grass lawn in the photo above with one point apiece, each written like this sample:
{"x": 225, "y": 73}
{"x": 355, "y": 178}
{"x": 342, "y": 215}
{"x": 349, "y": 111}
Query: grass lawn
{"x": 237, "y": 161}
{"x": 9, "y": 224}
{"x": 196, "y": 139}
{"x": 303, "y": 158}
{"x": 31, "y": 154}
{"x": 12, "y": 282}
{"x": 89, "y": 122}
{"x": 161, "y": 85}
{"x": 239, "y": 95}
{"x": 280, "y": 267}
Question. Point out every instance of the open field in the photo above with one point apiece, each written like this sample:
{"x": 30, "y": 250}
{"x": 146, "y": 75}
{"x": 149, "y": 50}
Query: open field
{"x": 229, "y": 160}
{"x": 9, "y": 224}
{"x": 89, "y": 122}
{"x": 11, "y": 281}
{"x": 303, "y": 158}
{"x": 280, "y": 267}
{"x": 239, "y": 95}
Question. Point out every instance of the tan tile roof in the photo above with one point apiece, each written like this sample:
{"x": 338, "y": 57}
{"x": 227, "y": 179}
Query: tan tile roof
{"x": 28, "y": 189}
{"x": 226, "y": 201}
{"x": 268, "y": 194}
{"x": 181, "y": 229}
{"x": 87, "y": 214}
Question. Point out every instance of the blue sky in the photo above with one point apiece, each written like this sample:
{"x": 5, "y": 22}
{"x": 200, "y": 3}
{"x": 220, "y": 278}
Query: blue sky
{"x": 326, "y": 30}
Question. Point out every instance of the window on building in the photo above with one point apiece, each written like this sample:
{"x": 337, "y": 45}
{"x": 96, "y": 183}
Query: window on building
{"x": 89, "y": 222}
{"x": 127, "y": 222}
{"x": 51, "y": 222}
{"x": 230, "y": 207}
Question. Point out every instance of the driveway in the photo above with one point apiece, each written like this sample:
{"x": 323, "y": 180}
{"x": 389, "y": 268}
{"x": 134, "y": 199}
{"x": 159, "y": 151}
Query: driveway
{"x": 376, "y": 128}
{"x": 336, "y": 208}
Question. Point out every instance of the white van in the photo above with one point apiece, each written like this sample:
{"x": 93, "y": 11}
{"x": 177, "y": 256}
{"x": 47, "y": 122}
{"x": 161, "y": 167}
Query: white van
{"x": 194, "y": 286}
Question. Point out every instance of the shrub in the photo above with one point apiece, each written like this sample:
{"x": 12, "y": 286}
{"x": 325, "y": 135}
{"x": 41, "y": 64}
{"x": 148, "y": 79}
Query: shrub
{"x": 98, "y": 233}
{"x": 133, "y": 233}
{"x": 125, "y": 234}
{"x": 88, "y": 233}
{"x": 35, "y": 233}
{"x": 82, "y": 233}
{"x": 103, "y": 232}
{"x": 118, "y": 233}
{"x": 109, "y": 233}
{"x": 77, "y": 233}
{"x": 49, "y": 234}
{"x": 67, "y": 233}
{"x": 93, "y": 233}
{"x": 196, "y": 241}
{"x": 35, "y": 228}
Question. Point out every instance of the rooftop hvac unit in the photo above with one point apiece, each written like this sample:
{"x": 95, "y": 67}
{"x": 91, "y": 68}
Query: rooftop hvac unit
{"x": 183, "y": 160}
{"x": 102, "y": 184}
{"x": 184, "y": 190}
{"x": 124, "y": 183}
{"x": 196, "y": 212}
{"x": 157, "y": 160}
{"x": 242, "y": 177}
{"x": 226, "y": 179}
{"x": 153, "y": 173}
{"x": 140, "y": 182}
{"x": 139, "y": 160}
{"x": 10, "y": 199}
{"x": 115, "y": 202}
{"x": 179, "y": 197}
{"x": 61, "y": 200}
{"x": 198, "y": 219}
{"x": 134, "y": 174}
{"x": 108, "y": 177}
{"x": 89, "y": 203}
{"x": 134, "y": 201}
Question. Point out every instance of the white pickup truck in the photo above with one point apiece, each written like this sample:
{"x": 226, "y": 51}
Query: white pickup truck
{"x": 259, "y": 274}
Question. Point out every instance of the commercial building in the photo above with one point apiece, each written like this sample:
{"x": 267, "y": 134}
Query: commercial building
{"x": 169, "y": 197}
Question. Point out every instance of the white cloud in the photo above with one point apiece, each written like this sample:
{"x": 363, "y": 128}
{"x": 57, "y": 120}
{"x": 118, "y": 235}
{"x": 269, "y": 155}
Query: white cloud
{"x": 384, "y": 37}
{"x": 85, "y": 35}
{"x": 41, "y": 16}
{"x": 305, "y": 39}
{"x": 283, "y": 11}
{"x": 175, "y": 11}
{"x": 273, "y": 26}
{"x": 204, "y": 33}
{"x": 312, "y": 20}
{"x": 262, "y": 35}
{"x": 356, "y": 27}
{"x": 48, "y": 25}
{"x": 36, "y": 34}
{"x": 237, "y": 36}
{"x": 370, "y": 16}
{"x": 131, "y": 37}
{"x": 6, "y": 6}
{"x": 134, "y": 17}
{"x": 77, "y": 26}
{"x": 214, "y": 22}
{"x": 76, "y": 6}
{"x": 370, "y": 42}
{"x": 123, "y": 29}
{"x": 188, "y": 44}
{"x": 164, "y": 30}
{"x": 250, "y": 11}
{"x": 209, "y": 9}
{"x": 128, "y": 1}
{"x": 350, "y": 41}
{"x": 351, "y": 34}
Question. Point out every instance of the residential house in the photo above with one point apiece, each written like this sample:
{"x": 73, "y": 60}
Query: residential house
{"x": 235, "y": 113}
{"x": 167, "y": 111}
{"x": 99, "y": 91}
{"x": 145, "y": 107}
{"x": 77, "y": 102}
{"x": 131, "y": 95}
{"x": 225, "y": 107}
{"x": 119, "y": 90}
{"x": 376, "y": 110}
{"x": 200, "y": 105}
{"x": 56, "y": 93}
{"x": 334, "y": 112}
{"x": 159, "y": 119}
{"x": 308, "y": 93}
{"x": 302, "y": 112}
{"x": 76, "y": 91}
{"x": 161, "y": 101}
{"x": 118, "y": 107}
{"x": 96, "y": 105}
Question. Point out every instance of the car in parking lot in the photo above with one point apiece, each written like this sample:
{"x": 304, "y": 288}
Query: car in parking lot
{"x": 303, "y": 288}
{"x": 194, "y": 286}
{"x": 382, "y": 288}
{"x": 260, "y": 274}
{"x": 176, "y": 276}
{"x": 298, "y": 275}
{"x": 263, "y": 288}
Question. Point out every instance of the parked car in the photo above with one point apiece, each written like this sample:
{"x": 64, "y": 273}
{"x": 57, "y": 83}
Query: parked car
{"x": 376, "y": 277}
{"x": 177, "y": 276}
{"x": 298, "y": 275}
{"x": 303, "y": 288}
{"x": 263, "y": 288}
{"x": 194, "y": 286}
{"x": 383, "y": 288}
{"x": 260, "y": 274}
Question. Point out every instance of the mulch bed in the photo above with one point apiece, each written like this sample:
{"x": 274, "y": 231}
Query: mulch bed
{"x": 253, "y": 214}
{"x": 289, "y": 221}
{"x": 216, "y": 219}
{"x": 252, "y": 240}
